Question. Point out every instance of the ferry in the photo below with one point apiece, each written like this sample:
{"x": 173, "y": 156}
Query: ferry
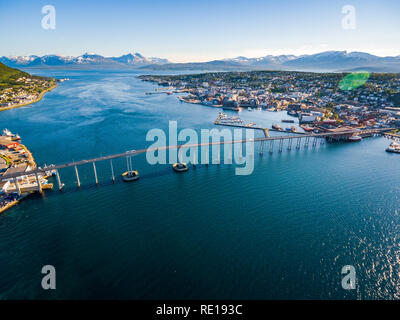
{"x": 277, "y": 127}
{"x": 394, "y": 147}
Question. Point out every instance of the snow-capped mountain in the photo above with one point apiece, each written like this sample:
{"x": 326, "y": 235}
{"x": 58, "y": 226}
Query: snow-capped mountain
{"x": 325, "y": 62}
{"x": 133, "y": 59}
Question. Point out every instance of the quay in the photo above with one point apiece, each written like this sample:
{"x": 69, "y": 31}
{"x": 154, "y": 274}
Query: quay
{"x": 15, "y": 158}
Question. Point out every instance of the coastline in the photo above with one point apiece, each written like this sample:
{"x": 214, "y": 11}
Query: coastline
{"x": 32, "y": 102}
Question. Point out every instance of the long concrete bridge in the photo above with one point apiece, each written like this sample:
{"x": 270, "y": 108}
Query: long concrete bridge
{"x": 289, "y": 138}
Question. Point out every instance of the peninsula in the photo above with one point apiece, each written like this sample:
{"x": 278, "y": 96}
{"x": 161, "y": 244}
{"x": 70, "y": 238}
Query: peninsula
{"x": 18, "y": 88}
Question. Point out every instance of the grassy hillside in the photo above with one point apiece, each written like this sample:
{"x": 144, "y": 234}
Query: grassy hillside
{"x": 9, "y": 75}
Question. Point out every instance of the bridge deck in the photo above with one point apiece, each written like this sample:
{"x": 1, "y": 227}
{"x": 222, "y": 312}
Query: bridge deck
{"x": 137, "y": 152}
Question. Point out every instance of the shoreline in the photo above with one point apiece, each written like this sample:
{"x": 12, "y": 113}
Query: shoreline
{"x": 32, "y": 102}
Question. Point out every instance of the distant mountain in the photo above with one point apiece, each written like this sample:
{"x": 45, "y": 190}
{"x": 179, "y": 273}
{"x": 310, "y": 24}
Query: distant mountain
{"x": 329, "y": 61}
{"x": 87, "y": 59}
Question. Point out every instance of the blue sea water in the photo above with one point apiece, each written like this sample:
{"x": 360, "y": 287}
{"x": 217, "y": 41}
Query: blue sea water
{"x": 283, "y": 232}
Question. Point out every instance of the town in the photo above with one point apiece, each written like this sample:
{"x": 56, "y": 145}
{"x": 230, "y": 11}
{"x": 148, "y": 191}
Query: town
{"x": 320, "y": 100}
{"x": 19, "y": 88}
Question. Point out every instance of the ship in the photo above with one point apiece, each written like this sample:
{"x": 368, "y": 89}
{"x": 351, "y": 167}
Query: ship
{"x": 8, "y": 133}
{"x": 394, "y": 147}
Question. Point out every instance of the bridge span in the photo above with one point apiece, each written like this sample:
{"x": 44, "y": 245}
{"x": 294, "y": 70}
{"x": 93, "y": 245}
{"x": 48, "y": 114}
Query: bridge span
{"x": 290, "y": 138}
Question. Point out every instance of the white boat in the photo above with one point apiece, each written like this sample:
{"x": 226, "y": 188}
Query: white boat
{"x": 394, "y": 147}
{"x": 8, "y": 133}
{"x": 249, "y": 109}
{"x": 355, "y": 138}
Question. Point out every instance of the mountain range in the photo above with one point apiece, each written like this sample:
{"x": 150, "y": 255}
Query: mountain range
{"x": 329, "y": 61}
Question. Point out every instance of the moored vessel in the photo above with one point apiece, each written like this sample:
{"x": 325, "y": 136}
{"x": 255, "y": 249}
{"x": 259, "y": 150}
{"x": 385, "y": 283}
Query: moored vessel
{"x": 394, "y": 147}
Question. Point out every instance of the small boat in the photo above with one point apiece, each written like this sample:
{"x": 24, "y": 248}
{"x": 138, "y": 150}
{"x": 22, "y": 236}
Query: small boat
{"x": 287, "y": 121}
{"x": 180, "y": 167}
{"x": 249, "y": 109}
{"x": 394, "y": 147}
{"x": 129, "y": 176}
{"x": 294, "y": 129}
{"x": 292, "y": 113}
{"x": 276, "y": 126}
{"x": 288, "y": 130}
{"x": 307, "y": 128}
{"x": 355, "y": 138}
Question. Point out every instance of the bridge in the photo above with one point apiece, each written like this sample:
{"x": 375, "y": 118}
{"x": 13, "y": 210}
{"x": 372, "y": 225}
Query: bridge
{"x": 128, "y": 154}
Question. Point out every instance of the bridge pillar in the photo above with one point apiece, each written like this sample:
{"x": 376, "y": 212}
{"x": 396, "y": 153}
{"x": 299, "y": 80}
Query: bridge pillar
{"x": 306, "y": 142}
{"x": 60, "y": 186}
{"x": 261, "y": 147}
{"x": 314, "y": 142}
{"x": 289, "y": 147}
{"x": 38, "y": 183}
{"x": 194, "y": 159}
{"x": 271, "y": 146}
{"x": 77, "y": 177}
{"x": 95, "y": 172}
{"x": 207, "y": 158}
{"x": 280, "y": 145}
{"x": 17, "y": 186}
{"x": 112, "y": 171}
{"x": 298, "y": 143}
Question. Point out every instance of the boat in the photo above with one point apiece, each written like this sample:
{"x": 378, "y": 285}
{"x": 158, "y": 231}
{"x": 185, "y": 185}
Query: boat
{"x": 287, "y": 121}
{"x": 292, "y": 113}
{"x": 288, "y": 130}
{"x": 293, "y": 129}
{"x": 8, "y": 133}
{"x": 306, "y": 128}
{"x": 180, "y": 167}
{"x": 355, "y": 138}
{"x": 129, "y": 176}
{"x": 394, "y": 147}
{"x": 249, "y": 109}
{"x": 276, "y": 126}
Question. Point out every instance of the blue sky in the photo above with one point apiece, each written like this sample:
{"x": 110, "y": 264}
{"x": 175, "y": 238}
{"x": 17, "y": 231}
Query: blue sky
{"x": 199, "y": 30}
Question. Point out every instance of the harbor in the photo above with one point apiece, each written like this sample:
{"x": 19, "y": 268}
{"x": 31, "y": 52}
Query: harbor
{"x": 15, "y": 158}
